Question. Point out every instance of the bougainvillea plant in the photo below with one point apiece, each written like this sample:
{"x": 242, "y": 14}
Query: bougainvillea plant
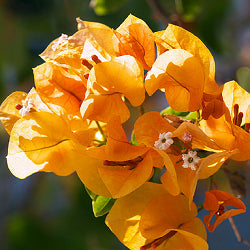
{"x": 72, "y": 121}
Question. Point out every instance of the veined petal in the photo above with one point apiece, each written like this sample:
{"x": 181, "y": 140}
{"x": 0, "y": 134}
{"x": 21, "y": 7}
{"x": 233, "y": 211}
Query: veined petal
{"x": 175, "y": 37}
{"x": 199, "y": 138}
{"x": 104, "y": 107}
{"x": 69, "y": 52}
{"x": 182, "y": 77}
{"x": 184, "y": 239}
{"x": 220, "y": 131}
{"x": 242, "y": 144}
{"x": 58, "y": 89}
{"x": 212, "y": 163}
{"x": 136, "y": 39}
{"x": 121, "y": 75}
{"x": 148, "y": 127}
{"x": 121, "y": 182}
{"x": 43, "y": 141}
{"x": 169, "y": 179}
{"x": 97, "y": 32}
{"x": 8, "y": 112}
{"x": 215, "y": 202}
{"x": 234, "y": 94}
{"x": 124, "y": 222}
{"x": 117, "y": 148}
{"x": 89, "y": 175}
{"x": 163, "y": 213}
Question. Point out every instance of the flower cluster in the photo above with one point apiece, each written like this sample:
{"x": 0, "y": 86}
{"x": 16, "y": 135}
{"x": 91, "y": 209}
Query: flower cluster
{"x": 71, "y": 121}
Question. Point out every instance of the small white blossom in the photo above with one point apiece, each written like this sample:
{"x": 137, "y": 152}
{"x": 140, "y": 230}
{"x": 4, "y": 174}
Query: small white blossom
{"x": 63, "y": 39}
{"x": 187, "y": 137}
{"x": 27, "y": 105}
{"x": 165, "y": 141}
{"x": 190, "y": 160}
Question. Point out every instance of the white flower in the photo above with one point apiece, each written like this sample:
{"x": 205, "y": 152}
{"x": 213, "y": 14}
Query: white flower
{"x": 187, "y": 137}
{"x": 27, "y": 105}
{"x": 165, "y": 141}
{"x": 190, "y": 160}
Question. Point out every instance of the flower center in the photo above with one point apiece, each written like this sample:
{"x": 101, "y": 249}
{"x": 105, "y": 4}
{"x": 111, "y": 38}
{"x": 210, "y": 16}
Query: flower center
{"x": 190, "y": 160}
{"x": 26, "y": 106}
{"x": 220, "y": 211}
{"x": 164, "y": 141}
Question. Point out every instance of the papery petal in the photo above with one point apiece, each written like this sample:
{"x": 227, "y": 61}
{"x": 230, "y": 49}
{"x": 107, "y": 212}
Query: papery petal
{"x": 90, "y": 177}
{"x": 175, "y": 37}
{"x": 234, "y": 94}
{"x": 212, "y": 200}
{"x": 42, "y": 141}
{"x": 242, "y": 139}
{"x": 121, "y": 182}
{"x": 163, "y": 213}
{"x": 182, "y": 77}
{"x": 136, "y": 39}
{"x": 212, "y": 163}
{"x": 8, "y": 112}
{"x": 199, "y": 138}
{"x": 148, "y": 127}
{"x": 184, "y": 239}
{"x": 117, "y": 148}
{"x": 123, "y": 219}
{"x": 187, "y": 179}
{"x": 169, "y": 179}
{"x": 68, "y": 54}
{"x": 220, "y": 131}
{"x": 104, "y": 107}
{"x": 121, "y": 75}
{"x": 58, "y": 89}
{"x": 97, "y": 32}
{"x": 191, "y": 235}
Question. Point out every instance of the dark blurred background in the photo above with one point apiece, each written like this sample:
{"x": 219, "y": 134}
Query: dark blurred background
{"x": 49, "y": 212}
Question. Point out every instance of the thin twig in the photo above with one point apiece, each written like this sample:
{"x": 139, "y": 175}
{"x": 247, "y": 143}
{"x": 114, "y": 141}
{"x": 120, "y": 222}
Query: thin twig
{"x": 159, "y": 11}
{"x": 236, "y": 232}
{"x": 162, "y": 15}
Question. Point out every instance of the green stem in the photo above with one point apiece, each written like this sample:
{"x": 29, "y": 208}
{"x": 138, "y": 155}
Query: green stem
{"x": 101, "y": 131}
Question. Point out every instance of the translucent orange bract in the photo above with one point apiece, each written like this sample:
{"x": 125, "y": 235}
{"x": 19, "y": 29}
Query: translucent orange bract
{"x": 216, "y": 203}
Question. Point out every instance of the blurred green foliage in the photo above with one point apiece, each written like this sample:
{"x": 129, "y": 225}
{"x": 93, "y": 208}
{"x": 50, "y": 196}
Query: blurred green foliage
{"x": 243, "y": 78}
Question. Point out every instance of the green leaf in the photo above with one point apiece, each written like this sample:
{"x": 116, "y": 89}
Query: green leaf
{"x": 243, "y": 78}
{"x": 133, "y": 140}
{"x": 184, "y": 115}
{"x": 102, "y": 205}
{"x": 189, "y": 10}
{"x": 91, "y": 194}
{"x": 105, "y": 7}
{"x": 170, "y": 111}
